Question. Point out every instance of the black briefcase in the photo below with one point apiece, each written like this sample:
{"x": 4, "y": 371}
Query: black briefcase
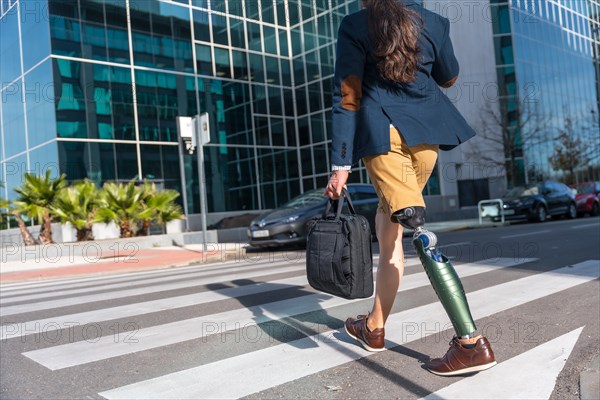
{"x": 339, "y": 259}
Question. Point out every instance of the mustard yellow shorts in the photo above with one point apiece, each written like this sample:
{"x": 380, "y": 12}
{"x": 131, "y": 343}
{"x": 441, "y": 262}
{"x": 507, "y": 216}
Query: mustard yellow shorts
{"x": 400, "y": 175}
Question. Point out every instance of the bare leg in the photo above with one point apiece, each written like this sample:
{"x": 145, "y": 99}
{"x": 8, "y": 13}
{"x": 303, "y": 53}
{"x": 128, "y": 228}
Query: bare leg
{"x": 390, "y": 271}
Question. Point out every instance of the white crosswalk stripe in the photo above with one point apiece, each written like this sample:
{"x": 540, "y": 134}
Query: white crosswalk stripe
{"x": 257, "y": 369}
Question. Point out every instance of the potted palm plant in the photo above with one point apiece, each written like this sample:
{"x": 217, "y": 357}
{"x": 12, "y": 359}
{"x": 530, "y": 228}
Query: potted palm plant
{"x": 166, "y": 212}
{"x": 148, "y": 209}
{"x": 120, "y": 204}
{"x": 4, "y": 213}
{"x": 75, "y": 207}
{"x": 36, "y": 195}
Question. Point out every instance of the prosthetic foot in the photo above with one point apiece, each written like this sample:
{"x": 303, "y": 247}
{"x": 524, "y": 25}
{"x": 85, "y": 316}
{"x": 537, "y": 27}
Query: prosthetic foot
{"x": 440, "y": 271}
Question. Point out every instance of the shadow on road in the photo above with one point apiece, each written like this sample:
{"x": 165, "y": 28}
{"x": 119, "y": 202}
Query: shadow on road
{"x": 288, "y": 314}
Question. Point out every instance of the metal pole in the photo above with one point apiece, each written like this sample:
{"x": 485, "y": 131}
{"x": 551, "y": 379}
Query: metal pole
{"x": 183, "y": 184}
{"x": 202, "y": 184}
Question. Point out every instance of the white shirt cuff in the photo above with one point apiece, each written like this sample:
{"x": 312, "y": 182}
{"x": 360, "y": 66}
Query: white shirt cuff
{"x": 341, "y": 168}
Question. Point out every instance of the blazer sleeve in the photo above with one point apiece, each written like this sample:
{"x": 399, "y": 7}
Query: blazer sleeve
{"x": 445, "y": 67}
{"x": 347, "y": 91}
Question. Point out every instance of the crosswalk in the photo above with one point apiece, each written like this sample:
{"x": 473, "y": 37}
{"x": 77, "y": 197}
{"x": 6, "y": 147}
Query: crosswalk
{"x": 254, "y": 329}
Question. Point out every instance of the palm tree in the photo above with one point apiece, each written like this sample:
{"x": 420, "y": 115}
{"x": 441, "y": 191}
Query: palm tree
{"x": 36, "y": 195}
{"x": 148, "y": 191}
{"x": 28, "y": 238}
{"x": 162, "y": 208}
{"x": 76, "y": 205}
{"x": 120, "y": 203}
{"x": 4, "y": 212}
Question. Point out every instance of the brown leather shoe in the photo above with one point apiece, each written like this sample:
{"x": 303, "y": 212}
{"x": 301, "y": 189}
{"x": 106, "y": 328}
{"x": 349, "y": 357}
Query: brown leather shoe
{"x": 370, "y": 340}
{"x": 462, "y": 360}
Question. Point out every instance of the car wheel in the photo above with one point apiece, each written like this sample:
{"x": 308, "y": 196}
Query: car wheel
{"x": 595, "y": 210}
{"x": 541, "y": 214}
{"x": 572, "y": 211}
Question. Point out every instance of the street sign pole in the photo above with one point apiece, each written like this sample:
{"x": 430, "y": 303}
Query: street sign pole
{"x": 183, "y": 185}
{"x": 194, "y": 132}
{"x": 203, "y": 137}
{"x": 185, "y": 130}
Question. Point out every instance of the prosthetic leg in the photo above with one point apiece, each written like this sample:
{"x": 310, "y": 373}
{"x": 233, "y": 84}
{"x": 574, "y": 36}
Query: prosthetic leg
{"x": 440, "y": 271}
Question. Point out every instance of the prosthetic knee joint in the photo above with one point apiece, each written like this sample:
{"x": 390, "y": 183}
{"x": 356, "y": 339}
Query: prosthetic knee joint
{"x": 441, "y": 273}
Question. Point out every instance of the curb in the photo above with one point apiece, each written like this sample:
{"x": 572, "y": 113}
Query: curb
{"x": 69, "y": 271}
{"x": 467, "y": 227}
{"x": 589, "y": 381}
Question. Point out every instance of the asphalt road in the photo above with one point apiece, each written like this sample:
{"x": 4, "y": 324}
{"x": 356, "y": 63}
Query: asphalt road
{"x": 253, "y": 328}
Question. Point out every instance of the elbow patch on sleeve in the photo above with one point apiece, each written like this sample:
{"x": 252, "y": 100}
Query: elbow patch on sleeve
{"x": 351, "y": 90}
{"x": 450, "y": 83}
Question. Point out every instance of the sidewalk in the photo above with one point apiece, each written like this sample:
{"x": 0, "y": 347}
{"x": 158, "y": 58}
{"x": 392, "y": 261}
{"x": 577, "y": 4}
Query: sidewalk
{"x": 143, "y": 259}
{"x": 45, "y": 265}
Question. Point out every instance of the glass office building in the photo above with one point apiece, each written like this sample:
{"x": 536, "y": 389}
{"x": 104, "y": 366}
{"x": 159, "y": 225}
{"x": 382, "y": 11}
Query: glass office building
{"x": 548, "y": 67}
{"x": 92, "y": 89}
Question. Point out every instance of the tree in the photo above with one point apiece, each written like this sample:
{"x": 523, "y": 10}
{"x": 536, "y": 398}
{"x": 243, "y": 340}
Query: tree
{"x": 120, "y": 203}
{"x": 506, "y": 127}
{"x": 570, "y": 152}
{"x": 147, "y": 210}
{"x": 76, "y": 205}
{"x": 36, "y": 195}
{"x": 161, "y": 207}
{"x": 4, "y": 213}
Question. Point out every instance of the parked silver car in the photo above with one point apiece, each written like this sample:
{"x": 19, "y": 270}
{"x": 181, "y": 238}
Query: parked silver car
{"x": 286, "y": 225}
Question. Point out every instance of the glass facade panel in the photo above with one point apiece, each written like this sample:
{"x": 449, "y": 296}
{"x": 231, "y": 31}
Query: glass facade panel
{"x": 161, "y": 36}
{"x": 201, "y": 26}
{"x": 237, "y": 33}
{"x": 270, "y": 39}
{"x": 203, "y": 60}
{"x": 9, "y": 49}
{"x": 240, "y": 65}
{"x": 39, "y": 101}
{"x": 35, "y": 32}
{"x": 257, "y": 70}
{"x": 219, "y": 29}
{"x": 13, "y": 119}
{"x": 161, "y": 98}
{"x": 97, "y": 161}
{"x": 45, "y": 158}
{"x": 254, "y": 36}
{"x": 15, "y": 169}
{"x": 222, "y": 63}
{"x": 93, "y": 101}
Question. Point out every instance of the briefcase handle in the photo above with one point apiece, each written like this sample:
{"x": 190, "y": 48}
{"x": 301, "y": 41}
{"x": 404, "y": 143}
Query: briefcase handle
{"x": 340, "y": 205}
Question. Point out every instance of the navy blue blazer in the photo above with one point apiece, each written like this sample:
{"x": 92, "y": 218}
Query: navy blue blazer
{"x": 364, "y": 103}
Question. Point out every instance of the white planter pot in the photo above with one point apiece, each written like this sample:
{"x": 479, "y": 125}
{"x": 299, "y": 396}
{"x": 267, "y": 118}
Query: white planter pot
{"x": 175, "y": 226}
{"x": 103, "y": 231}
{"x": 69, "y": 233}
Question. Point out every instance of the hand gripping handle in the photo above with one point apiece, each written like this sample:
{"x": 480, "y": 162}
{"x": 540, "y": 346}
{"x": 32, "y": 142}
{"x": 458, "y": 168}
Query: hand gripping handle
{"x": 340, "y": 205}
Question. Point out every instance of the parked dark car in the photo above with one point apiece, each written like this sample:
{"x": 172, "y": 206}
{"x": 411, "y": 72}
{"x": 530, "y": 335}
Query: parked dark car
{"x": 537, "y": 201}
{"x": 286, "y": 225}
{"x": 588, "y": 198}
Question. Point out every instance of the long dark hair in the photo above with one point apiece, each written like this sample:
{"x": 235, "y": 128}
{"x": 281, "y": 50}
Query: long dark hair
{"x": 395, "y": 30}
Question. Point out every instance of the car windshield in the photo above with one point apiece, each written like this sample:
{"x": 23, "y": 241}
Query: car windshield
{"x": 310, "y": 198}
{"x": 585, "y": 189}
{"x": 521, "y": 191}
